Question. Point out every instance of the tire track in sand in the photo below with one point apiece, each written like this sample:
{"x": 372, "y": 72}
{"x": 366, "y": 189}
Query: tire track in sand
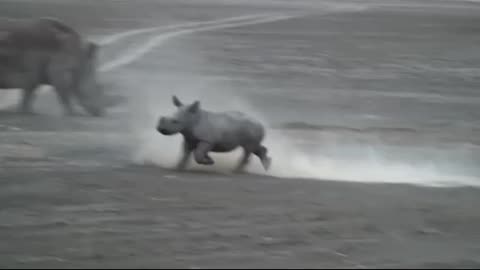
{"x": 138, "y": 52}
{"x": 114, "y": 38}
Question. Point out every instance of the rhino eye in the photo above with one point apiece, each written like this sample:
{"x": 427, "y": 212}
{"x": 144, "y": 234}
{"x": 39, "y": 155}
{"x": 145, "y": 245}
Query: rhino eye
{"x": 174, "y": 121}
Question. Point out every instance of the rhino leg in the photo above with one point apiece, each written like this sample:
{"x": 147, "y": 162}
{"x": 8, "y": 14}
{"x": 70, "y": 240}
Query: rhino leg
{"x": 186, "y": 153}
{"x": 261, "y": 152}
{"x": 62, "y": 84}
{"x": 244, "y": 161}
{"x": 201, "y": 154}
{"x": 28, "y": 96}
{"x": 65, "y": 99}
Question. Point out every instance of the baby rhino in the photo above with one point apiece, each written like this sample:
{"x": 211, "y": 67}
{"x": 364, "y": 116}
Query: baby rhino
{"x": 204, "y": 131}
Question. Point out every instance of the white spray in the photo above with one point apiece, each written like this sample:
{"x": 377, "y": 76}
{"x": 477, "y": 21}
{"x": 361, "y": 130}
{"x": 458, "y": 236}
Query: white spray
{"x": 288, "y": 158}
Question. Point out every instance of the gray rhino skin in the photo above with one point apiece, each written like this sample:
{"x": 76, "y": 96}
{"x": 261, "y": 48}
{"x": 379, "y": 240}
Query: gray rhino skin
{"x": 46, "y": 51}
{"x": 204, "y": 131}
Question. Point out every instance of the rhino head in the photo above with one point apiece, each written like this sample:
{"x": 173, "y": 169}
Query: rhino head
{"x": 183, "y": 119}
{"x": 90, "y": 93}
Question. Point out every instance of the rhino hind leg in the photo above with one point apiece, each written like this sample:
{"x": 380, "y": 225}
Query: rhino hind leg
{"x": 262, "y": 153}
{"x": 244, "y": 161}
{"x": 66, "y": 101}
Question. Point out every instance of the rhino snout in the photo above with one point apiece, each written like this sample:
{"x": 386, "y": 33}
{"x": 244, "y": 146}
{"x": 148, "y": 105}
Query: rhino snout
{"x": 163, "y": 127}
{"x": 160, "y": 126}
{"x": 164, "y": 131}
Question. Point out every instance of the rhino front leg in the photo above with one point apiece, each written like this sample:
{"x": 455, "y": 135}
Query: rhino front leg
{"x": 262, "y": 153}
{"x": 28, "y": 96}
{"x": 61, "y": 81}
{"x": 66, "y": 101}
{"x": 201, "y": 153}
{"x": 186, "y": 153}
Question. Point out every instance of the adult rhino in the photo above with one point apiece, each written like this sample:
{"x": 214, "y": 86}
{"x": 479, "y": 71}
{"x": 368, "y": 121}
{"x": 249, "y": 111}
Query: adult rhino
{"x": 45, "y": 51}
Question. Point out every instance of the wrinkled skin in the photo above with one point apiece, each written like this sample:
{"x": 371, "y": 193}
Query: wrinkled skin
{"x": 47, "y": 52}
{"x": 205, "y": 132}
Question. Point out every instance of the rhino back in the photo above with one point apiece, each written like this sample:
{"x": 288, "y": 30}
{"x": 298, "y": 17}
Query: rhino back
{"x": 227, "y": 127}
{"x": 40, "y": 44}
{"x": 43, "y": 36}
{"x": 29, "y": 49}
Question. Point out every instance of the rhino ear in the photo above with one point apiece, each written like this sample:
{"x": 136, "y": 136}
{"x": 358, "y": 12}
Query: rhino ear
{"x": 194, "y": 107}
{"x": 176, "y": 101}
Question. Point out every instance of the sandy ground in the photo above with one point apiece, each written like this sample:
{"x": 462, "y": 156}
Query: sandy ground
{"x": 398, "y": 79}
{"x": 146, "y": 217}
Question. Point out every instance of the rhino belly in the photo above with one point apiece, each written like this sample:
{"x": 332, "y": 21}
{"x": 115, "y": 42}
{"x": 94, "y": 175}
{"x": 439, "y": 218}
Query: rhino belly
{"x": 11, "y": 80}
{"x": 224, "y": 147}
{"x": 17, "y": 80}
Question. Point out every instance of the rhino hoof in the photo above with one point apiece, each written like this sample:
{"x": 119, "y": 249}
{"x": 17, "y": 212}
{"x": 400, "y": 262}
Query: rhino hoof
{"x": 206, "y": 162}
{"x": 267, "y": 162}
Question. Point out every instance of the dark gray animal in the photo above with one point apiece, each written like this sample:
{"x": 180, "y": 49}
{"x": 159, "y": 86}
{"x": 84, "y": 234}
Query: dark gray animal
{"x": 204, "y": 131}
{"x": 45, "y": 51}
